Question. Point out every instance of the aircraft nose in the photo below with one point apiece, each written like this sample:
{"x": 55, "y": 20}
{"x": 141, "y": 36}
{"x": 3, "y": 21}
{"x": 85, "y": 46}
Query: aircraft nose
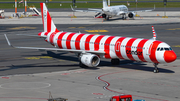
{"x": 170, "y": 56}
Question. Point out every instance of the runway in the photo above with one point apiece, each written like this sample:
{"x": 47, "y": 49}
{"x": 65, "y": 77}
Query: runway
{"x": 30, "y": 74}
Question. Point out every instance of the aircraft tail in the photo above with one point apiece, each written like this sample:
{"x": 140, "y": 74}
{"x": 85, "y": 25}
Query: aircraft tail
{"x": 48, "y": 23}
{"x": 105, "y": 3}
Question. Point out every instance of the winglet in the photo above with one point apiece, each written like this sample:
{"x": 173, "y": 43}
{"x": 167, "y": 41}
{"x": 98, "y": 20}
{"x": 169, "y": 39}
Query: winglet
{"x": 8, "y": 41}
{"x": 154, "y": 33}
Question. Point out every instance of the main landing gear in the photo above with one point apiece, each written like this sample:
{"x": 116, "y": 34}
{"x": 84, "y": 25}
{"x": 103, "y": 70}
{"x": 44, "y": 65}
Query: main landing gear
{"x": 156, "y": 70}
{"x": 115, "y": 61}
{"x": 124, "y": 17}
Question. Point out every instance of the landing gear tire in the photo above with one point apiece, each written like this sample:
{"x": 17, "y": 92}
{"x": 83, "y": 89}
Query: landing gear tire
{"x": 107, "y": 18}
{"x": 156, "y": 70}
{"x": 115, "y": 61}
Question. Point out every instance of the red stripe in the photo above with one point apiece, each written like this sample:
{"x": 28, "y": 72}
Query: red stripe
{"x": 140, "y": 49}
{"x": 46, "y": 33}
{"x": 153, "y": 51}
{"x": 52, "y": 37}
{"x": 97, "y": 42}
{"x": 128, "y": 48}
{"x": 59, "y": 41}
{"x": 87, "y": 42}
{"x": 48, "y": 22}
{"x": 57, "y": 30}
{"x": 107, "y": 45}
{"x": 118, "y": 52}
{"x": 68, "y": 41}
{"x": 77, "y": 41}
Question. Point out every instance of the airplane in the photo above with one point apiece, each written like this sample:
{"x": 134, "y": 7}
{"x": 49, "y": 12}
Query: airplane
{"x": 112, "y": 11}
{"x": 91, "y": 48}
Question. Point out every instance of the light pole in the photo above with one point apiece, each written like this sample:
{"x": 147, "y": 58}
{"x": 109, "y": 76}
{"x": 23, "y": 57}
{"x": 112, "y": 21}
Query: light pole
{"x": 165, "y": 2}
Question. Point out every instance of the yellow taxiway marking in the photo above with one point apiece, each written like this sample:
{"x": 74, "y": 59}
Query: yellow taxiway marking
{"x": 39, "y": 57}
{"x": 174, "y": 29}
{"x": 96, "y": 30}
{"x": 176, "y": 46}
{"x": 22, "y": 28}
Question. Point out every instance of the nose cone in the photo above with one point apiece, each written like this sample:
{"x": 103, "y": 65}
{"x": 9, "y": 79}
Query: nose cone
{"x": 170, "y": 56}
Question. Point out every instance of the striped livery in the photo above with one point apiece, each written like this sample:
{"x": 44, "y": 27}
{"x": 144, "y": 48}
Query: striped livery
{"x": 90, "y": 48}
{"x": 114, "y": 47}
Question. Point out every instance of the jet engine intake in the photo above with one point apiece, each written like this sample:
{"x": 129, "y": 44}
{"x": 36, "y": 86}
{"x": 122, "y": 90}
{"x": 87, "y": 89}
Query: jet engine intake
{"x": 90, "y": 60}
{"x": 104, "y": 15}
{"x": 131, "y": 15}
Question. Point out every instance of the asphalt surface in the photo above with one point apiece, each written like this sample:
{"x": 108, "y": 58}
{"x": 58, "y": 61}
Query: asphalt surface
{"x": 19, "y": 60}
{"x": 30, "y": 74}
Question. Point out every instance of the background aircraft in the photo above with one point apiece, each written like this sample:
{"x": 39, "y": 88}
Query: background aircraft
{"x": 112, "y": 11}
{"x": 90, "y": 48}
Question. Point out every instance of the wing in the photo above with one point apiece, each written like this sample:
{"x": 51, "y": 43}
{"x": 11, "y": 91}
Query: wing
{"x": 90, "y": 10}
{"x": 56, "y": 49}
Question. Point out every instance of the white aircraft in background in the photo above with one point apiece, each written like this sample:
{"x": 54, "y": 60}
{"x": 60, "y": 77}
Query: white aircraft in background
{"x": 112, "y": 11}
{"x": 90, "y": 48}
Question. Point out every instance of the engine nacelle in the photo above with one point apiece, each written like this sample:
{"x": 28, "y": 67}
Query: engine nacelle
{"x": 90, "y": 60}
{"x": 104, "y": 15}
{"x": 131, "y": 15}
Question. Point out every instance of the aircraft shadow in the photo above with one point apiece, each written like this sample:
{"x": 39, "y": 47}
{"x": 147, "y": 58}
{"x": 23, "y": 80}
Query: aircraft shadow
{"x": 141, "y": 66}
{"x": 123, "y": 64}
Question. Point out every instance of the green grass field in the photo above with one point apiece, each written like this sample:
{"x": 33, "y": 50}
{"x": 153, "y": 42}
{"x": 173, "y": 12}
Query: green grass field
{"x": 90, "y": 5}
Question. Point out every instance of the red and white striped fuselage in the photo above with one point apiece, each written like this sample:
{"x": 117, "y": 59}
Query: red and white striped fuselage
{"x": 136, "y": 49}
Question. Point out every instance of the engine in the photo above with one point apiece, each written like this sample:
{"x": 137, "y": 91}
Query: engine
{"x": 131, "y": 15}
{"x": 104, "y": 15}
{"x": 90, "y": 60}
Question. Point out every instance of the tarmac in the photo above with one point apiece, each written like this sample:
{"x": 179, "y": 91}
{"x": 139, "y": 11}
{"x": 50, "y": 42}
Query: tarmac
{"x": 29, "y": 75}
{"x": 88, "y": 18}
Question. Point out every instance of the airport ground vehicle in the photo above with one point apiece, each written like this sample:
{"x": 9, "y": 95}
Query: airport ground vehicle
{"x": 121, "y": 98}
{"x": 124, "y": 98}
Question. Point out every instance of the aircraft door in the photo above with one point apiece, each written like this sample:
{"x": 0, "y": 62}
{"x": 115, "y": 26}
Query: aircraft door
{"x": 149, "y": 49}
{"x": 117, "y": 46}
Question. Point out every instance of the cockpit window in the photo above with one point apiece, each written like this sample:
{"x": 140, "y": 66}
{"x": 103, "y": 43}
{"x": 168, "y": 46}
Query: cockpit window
{"x": 161, "y": 49}
{"x": 164, "y": 48}
{"x": 170, "y": 48}
{"x": 158, "y": 48}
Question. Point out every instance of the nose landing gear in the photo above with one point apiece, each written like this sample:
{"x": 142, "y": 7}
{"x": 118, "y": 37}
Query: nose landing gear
{"x": 156, "y": 70}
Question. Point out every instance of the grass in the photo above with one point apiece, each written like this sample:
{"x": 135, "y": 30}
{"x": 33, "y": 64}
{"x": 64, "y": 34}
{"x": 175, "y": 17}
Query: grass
{"x": 85, "y": 0}
{"x": 90, "y": 5}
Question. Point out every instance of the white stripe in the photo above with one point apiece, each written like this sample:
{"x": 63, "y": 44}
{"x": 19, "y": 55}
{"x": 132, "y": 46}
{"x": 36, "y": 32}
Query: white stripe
{"x": 112, "y": 47}
{"x": 145, "y": 51}
{"x": 102, "y": 42}
{"x": 123, "y": 49}
{"x": 64, "y": 39}
{"x": 93, "y": 39}
{"x": 135, "y": 44}
{"x": 48, "y": 36}
{"x": 82, "y": 41}
{"x": 45, "y": 17}
{"x": 56, "y": 38}
{"x": 73, "y": 39}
